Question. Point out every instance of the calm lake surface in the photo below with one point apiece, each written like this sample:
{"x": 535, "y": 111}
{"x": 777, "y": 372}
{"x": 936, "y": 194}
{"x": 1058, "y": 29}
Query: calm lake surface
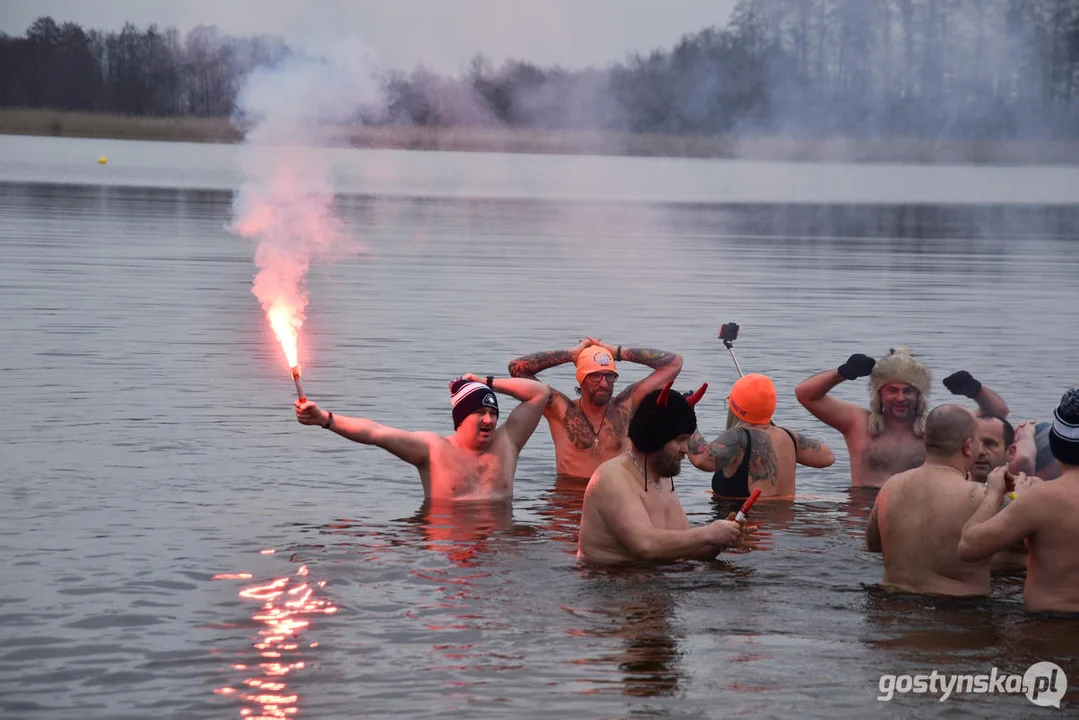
{"x": 176, "y": 545}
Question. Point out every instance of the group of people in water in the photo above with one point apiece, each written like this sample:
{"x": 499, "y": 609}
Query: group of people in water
{"x": 961, "y": 493}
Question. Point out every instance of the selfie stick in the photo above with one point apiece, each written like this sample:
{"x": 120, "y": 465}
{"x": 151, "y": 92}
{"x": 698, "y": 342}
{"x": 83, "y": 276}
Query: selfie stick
{"x": 737, "y": 367}
{"x": 747, "y": 505}
{"x": 728, "y": 334}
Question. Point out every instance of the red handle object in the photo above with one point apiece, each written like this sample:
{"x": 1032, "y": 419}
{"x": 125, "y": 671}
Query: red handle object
{"x": 747, "y": 505}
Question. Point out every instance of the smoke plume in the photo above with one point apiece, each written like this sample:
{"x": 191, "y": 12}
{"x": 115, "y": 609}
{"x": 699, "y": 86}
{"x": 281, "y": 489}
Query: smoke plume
{"x": 294, "y": 113}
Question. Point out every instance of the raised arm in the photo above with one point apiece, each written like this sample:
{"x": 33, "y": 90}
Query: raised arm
{"x": 720, "y": 453}
{"x": 963, "y": 383}
{"x": 812, "y": 393}
{"x": 412, "y": 447}
{"x": 528, "y": 366}
{"x": 626, "y": 516}
{"x": 665, "y": 368}
{"x": 990, "y": 529}
{"x": 812, "y": 453}
{"x": 1023, "y": 453}
{"x": 533, "y": 396}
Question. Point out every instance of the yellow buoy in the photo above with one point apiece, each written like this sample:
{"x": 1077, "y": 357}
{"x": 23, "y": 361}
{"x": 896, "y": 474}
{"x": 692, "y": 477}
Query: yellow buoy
{"x": 102, "y": 160}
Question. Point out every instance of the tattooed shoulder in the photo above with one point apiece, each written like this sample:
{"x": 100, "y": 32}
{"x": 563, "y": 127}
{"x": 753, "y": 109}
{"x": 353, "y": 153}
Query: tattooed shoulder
{"x": 697, "y": 445}
{"x": 807, "y": 443}
{"x": 763, "y": 463}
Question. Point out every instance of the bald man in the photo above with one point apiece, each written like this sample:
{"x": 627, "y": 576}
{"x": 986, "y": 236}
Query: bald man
{"x": 918, "y": 517}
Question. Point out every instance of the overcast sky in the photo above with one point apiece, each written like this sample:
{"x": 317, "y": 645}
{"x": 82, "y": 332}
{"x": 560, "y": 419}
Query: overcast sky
{"x": 442, "y": 34}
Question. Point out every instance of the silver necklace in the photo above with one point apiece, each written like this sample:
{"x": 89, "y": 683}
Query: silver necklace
{"x": 655, "y": 483}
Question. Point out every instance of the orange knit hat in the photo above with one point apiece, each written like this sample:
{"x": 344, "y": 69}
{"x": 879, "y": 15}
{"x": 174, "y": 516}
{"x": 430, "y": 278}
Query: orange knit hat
{"x": 593, "y": 359}
{"x": 753, "y": 399}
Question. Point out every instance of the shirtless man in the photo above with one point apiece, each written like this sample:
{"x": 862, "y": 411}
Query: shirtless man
{"x": 753, "y": 453}
{"x": 631, "y": 511}
{"x": 918, "y": 516}
{"x": 1044, "y": 515}
{"x": 592, "y": 429}
{"x": 1001, "y": 445}
{"x": 478, "y": 461}
{"x": 887, "y": 438}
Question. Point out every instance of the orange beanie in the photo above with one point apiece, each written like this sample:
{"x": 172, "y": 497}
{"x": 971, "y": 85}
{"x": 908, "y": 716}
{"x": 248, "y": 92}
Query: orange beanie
{"x": 593, "y": 359}
{"x": 753, "y": 399}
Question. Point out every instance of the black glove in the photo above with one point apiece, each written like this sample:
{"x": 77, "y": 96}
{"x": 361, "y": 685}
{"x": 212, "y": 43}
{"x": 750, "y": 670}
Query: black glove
{"x": 857, "y": 365}
{"x": 963, "y": 383}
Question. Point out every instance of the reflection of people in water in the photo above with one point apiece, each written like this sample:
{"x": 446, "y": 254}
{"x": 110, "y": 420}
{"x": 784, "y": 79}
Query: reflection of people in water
{"x": 640, "y": 617}
{"x": 462, "y": 530}
{"x": 930, "y": 630}
{"x": 563, "y": 509}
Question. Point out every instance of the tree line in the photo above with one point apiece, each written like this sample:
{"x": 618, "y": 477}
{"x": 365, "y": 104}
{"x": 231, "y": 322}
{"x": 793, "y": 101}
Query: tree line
{"x": 980, "y": 69}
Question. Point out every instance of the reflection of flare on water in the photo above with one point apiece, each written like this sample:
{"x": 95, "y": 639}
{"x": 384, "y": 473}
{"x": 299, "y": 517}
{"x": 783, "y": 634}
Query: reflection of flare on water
{"x": 285, "y": 603}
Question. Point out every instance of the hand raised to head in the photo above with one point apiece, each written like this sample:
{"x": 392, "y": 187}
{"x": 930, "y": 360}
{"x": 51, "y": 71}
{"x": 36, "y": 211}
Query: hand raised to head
{"x": 576, "y": 350}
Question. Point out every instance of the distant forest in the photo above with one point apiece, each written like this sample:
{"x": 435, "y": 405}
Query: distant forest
{"x": 976, "y": 69}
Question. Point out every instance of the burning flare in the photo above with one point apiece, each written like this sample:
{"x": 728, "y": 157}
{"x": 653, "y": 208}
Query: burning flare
{"x": 286, "y": 201}
{"x": 286, "y": 324}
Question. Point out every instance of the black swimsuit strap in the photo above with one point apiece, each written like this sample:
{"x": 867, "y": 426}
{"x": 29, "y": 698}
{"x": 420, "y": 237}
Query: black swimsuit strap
{"x": 737, "y": 485}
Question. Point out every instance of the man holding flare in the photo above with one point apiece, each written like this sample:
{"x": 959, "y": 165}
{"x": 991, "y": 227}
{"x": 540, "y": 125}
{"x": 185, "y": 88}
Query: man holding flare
{"x": 478, "y": 461}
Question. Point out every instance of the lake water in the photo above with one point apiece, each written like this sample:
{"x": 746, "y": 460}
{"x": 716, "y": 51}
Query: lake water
{"x": 177, "y": 546}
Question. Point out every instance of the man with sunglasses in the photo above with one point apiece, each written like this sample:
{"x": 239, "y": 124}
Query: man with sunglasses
{"x": 592, "y": 429}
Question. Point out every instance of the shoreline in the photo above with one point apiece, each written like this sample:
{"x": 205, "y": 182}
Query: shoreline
{"x": 19, "y": 121}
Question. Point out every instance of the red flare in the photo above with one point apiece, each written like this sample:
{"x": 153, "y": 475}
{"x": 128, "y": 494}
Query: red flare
{"x": 664, "y": 394}
{"x": 747, "y": 505}
{"x": 695, "y": 397}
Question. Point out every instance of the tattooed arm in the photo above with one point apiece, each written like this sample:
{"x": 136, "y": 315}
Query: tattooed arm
{"x": 812, "y": 453}
{"x": 528, "y": 366}
{"x": 665, "y": 368}
{"x": 720, "y": 453}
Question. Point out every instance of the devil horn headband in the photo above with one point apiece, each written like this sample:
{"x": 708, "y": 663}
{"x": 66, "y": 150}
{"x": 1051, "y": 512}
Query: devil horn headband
{"x": 695, "y": 397}
{"x": 664, "y": 395}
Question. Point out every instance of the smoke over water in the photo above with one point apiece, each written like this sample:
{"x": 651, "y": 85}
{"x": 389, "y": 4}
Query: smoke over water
{"x": 295, "y": 112}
